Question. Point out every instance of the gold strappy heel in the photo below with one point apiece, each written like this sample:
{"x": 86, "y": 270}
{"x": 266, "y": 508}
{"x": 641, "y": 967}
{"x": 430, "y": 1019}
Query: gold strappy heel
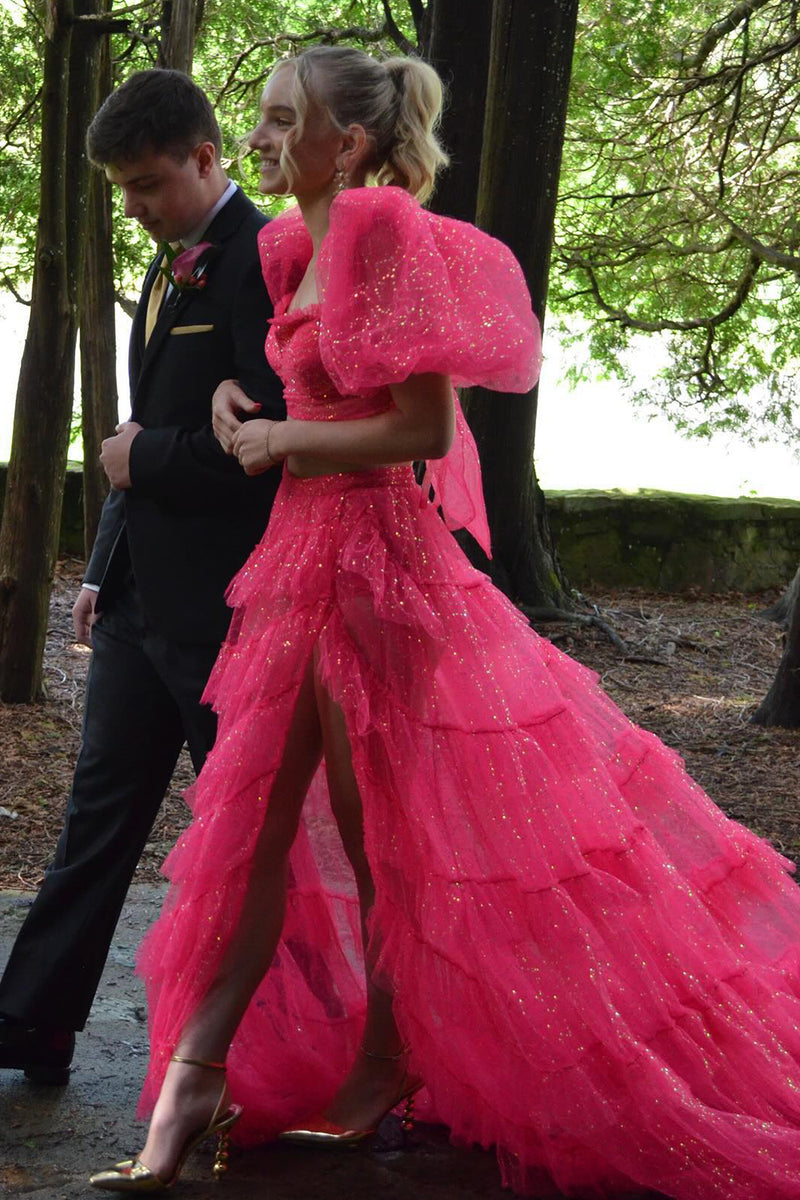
{"x": 319, "y": 1131}
{"x": 131, "y": 1175}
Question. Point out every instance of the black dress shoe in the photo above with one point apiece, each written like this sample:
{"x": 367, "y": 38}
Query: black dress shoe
{"x": 43, "y": 1054}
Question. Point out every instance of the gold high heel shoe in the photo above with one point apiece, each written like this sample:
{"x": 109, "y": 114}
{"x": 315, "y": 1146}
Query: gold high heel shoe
{"x": 131, "y": 1175}
{"x": 319, "y": 1131}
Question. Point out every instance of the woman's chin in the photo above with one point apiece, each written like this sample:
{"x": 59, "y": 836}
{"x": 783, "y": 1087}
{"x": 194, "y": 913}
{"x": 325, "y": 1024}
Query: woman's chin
{"x": 273, "y": 185}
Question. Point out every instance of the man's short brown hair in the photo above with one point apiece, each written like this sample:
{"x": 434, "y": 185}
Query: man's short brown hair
{"x": 157, "y": 111}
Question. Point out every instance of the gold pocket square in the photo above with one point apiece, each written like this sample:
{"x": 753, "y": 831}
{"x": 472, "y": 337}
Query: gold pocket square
{"x": 190, "y": 329}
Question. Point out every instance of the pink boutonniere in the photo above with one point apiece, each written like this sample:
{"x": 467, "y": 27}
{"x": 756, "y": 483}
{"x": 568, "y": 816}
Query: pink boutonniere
{"x": 185, "y": 269}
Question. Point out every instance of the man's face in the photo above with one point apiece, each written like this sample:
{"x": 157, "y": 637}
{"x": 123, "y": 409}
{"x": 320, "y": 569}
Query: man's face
{"x": 168, "y": 199}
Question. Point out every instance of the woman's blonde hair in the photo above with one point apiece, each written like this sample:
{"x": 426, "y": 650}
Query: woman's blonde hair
{"x": 398, "y": 102}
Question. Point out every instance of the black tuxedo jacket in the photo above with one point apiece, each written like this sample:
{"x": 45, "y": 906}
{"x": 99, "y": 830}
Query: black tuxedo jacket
{"x": 191, "y": 515}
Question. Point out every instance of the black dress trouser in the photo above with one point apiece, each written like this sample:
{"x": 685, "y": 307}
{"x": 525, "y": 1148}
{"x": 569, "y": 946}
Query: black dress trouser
{"x": 142, "y": 703}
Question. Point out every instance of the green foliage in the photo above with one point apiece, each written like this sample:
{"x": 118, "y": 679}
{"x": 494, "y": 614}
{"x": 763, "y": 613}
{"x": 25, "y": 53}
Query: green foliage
{"x": 238, "y": 43}
{"x": 678, "y": 207}
{"x": 677, "y": 223}
{"x": 21, "y": 38}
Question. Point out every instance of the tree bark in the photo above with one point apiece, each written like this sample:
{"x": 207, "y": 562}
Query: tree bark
{"x": 781, "y": 705}
{"x": 97, "y": 329}
{"x": 32, "y": 509}
{"x": 529, "y": 76}
{"x": 458, "y": 47}
{"x": 180, "y": 22}
{"x": 781, "y": 611}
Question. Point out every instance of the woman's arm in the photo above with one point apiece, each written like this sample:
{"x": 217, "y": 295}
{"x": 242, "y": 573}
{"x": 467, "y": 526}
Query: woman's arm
{"x": 421, "y": 425}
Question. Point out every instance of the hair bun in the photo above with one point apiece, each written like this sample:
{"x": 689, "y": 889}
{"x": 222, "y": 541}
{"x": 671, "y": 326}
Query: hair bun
{"x": 416, "y": 153}
{"x": 398, "y": 102}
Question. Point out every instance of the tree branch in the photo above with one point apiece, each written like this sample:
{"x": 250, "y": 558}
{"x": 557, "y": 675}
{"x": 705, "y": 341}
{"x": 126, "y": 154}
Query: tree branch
{"x": 20, "y": 117}
{"x": 152, "y": 41}
{"x": 392, "y": 29}
{"x": 328, "y": 34}
{"x": 628, "y": 321}
{"x": 615, "y": 197}
{"x": 127, "y": 305}
{"x": 718, "y": 31}
{"x": 419, "y": 14}
{"x": 7, "y": 283}
{"x": 790, "y": 262}
{"x": 708, "y": 248}
{"x": 117, "y": 15}
{"x": 102, "y": 23}
{"x": 735, "y": 70}
{"x": 737, "y": 106}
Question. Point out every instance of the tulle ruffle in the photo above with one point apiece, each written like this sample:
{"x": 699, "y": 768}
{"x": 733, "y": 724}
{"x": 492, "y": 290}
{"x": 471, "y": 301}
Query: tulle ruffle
{"x": 596, "y": 970}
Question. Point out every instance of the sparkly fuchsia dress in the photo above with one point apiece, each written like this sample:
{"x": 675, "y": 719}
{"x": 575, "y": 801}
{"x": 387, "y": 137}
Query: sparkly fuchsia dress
{"x": 597, "y": 972}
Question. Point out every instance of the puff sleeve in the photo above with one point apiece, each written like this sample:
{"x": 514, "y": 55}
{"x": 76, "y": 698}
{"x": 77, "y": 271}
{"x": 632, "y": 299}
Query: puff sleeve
{"x": 404, "y": 291}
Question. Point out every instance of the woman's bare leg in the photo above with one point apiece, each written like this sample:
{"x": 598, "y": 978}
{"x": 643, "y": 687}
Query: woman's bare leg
{"x": 372, "y": 1083}
{"x": 189, "y": 1094}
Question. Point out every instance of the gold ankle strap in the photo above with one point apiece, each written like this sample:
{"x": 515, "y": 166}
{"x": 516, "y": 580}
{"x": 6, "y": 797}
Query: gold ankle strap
{"x": 198, "y": 1062}
{"x": 401, "y": 1053}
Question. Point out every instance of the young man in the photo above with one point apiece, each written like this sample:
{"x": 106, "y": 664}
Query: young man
{"x": 180, "y": 520}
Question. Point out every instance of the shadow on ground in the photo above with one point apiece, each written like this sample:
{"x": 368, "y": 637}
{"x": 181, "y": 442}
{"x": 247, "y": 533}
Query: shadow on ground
{"x": 52, "y": 1138}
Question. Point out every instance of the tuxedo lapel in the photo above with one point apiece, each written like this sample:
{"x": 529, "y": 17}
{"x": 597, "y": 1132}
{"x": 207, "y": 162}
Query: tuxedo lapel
{"x": 173, "y": 303}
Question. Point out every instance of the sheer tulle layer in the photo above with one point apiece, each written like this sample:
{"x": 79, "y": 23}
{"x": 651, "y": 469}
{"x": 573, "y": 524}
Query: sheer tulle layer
{"x": 596, "y": 970}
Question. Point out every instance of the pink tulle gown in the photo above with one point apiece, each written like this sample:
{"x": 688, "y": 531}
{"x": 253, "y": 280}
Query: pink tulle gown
{"x": 597, "y": 972}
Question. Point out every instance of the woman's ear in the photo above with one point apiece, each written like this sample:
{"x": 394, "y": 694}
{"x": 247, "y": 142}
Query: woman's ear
{"x": 355, "y": 150}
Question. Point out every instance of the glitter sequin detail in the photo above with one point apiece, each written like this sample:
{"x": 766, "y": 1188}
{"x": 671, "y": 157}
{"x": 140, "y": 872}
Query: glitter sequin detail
{"x": 597, "y": 971}
{"x": 402, "y": 292}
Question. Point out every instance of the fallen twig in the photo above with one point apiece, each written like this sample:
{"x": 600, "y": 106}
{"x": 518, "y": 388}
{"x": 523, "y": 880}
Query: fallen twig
{"x": 535, "y": 614}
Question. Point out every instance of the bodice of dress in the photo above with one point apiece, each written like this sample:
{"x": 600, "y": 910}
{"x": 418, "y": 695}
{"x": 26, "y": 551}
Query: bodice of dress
{"x": 402, "y": 292}
{"x": 311, "y": 395}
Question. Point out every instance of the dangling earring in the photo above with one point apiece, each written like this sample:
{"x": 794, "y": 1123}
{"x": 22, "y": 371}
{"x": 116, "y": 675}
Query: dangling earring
{"x": 339, "y": 181}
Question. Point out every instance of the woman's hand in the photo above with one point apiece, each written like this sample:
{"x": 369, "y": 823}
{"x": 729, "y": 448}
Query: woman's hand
{"x": 253, "y": 445}
{"x": 227, "y": 403}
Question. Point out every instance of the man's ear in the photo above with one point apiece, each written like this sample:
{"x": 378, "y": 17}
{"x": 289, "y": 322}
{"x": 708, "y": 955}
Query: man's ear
{"x": 205, "y": 155}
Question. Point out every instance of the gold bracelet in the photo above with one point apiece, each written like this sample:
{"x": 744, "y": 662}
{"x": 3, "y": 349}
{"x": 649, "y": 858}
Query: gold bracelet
{"x": 270, "y": 459}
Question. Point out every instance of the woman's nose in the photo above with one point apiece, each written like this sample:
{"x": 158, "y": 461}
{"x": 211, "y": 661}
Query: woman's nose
{"x": 257, "y": 138}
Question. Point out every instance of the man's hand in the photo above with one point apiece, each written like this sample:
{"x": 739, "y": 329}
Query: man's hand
{"x": 227, "y": 405}
{"x": 115, "y": 455}
{"x": 83, "y": 615}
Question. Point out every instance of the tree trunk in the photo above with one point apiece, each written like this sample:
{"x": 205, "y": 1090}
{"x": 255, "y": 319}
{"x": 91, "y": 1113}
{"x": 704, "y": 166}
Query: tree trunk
{"x": 32, "y": 509}
{"x": 180, "y": 22}
{"x": 97, "y": 330}
{"x": 529, "y": 75}
{"x": 781, "y": 705}
{"x": 458, "y": 47}
{"x": 781, "y": 611}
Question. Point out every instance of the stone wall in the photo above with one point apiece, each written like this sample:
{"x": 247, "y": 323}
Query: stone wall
{"x": 671, "y": 542}
{"x": 663, "y": 541}
{"x": 71, "y": 513}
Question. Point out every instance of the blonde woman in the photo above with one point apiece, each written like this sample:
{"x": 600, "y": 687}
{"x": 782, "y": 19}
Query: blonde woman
{"x": 585, "y": 962}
